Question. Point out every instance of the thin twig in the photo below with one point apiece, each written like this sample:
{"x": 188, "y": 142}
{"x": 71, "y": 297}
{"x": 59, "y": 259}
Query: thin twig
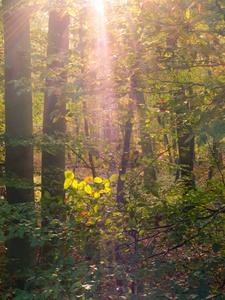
{"x": 148, "y": 166}
{"x": 86, "y": 164}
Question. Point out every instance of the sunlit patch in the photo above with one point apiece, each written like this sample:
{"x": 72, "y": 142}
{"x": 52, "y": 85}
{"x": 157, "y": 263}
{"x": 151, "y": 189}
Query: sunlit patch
{"x": 99, "y": 5}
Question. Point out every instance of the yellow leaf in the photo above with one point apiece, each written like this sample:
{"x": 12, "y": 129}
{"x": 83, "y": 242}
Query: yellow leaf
{"x": 107, "y": 190}
{"x": 75, "y": 184}
{"x": 73, "y": 13}
{"x": 188, "y": 13}
{"x": 96, "y": 195}
{"x": 114, "y": 177}
{"x": 87, "y": 189}
{"x": 69, "y": 174}
{"x": 107, "y": 184}
{"x": 67, "y": 183}
{"x": 81, "y": 185}
{"x": 123, "y": 177}
{"x": 97, "y": 180}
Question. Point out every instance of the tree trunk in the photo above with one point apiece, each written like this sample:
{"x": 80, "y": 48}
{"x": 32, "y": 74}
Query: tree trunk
{"x": 18, "y": 119}
{"x": 126, "y": 145}
{"x": 146, "y": 143}
{"x": 186, "y": 153}
{"x": 53, "y": 158}
{"x": 160, "y": 121}
{"x": 216, "y": 160}
{"x": 86, "y": 129}
{"x": 86, "y": 126}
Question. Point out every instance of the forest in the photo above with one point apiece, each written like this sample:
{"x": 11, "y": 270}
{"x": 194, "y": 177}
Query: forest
{"x": 112, "y": 141}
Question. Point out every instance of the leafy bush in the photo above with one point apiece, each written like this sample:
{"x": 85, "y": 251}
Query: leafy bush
{"x": 151, "y": 248}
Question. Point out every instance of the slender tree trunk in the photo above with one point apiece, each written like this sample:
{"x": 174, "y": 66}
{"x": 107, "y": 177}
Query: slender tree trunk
{"x": 126, "y": 145}
{"x": 18, "y": 119}
{"x": 86, "y": 129}
{"x": 216, "y": 161}
{"x": 166, "y": 139}
{"x": 146, "y": 142}
{"x": 186, "y": 153}
{"x": 86, "y": 125}
{"x": 124, "y": 160}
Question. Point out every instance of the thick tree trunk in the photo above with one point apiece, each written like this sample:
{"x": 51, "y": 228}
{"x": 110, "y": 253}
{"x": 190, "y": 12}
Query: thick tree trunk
{"x": 18, "y": 119}
{"x": 53, "y": 159}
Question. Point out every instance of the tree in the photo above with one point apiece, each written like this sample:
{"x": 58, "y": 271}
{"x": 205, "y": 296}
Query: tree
{"x": 54, "y": 125}
{"x": 18, "y": 119}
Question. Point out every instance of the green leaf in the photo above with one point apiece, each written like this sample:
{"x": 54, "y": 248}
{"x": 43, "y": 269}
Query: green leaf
{"x": 96, "y": 207}
{"x": 216, "y": 247}
{"x": 69, "y": 174}
{"x": 106, "y": 165}
{"x": 114, "y": 177}
{"x": 47, "y": 195}
{"x": 189, "y": 138}
{"x": 97, "y": 180}
{"x": 34, "y": 242}
{"x": 87, "y": 189}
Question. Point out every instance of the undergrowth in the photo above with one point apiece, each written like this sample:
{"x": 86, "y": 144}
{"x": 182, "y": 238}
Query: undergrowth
{"x": 164, "y": 246}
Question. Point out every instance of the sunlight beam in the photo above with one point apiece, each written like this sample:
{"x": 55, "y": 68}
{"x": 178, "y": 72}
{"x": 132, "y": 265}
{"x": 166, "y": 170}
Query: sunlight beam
{"x": 99, "y": 5}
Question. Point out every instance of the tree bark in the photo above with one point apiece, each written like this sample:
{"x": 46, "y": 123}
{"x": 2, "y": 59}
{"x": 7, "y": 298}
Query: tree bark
{"x": 18, "y": 121}
{"x": 216, "y": 160}
{"x": 53, "y": 160}
{"x": 186, "y": 153}
{"x": 53, "y": 157}
{"x": 126, "y": 145}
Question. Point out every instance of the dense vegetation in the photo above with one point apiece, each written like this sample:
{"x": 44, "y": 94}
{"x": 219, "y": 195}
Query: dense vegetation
{"x": 112, "y": 139}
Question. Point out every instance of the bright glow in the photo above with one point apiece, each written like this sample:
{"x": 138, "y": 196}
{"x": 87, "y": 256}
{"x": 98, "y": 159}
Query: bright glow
{"x": 99, "y": 5}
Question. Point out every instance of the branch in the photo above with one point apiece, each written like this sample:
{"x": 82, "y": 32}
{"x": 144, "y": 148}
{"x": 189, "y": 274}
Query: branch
{"x": 79, "y": 156}
{"x": 160, "y": 154}
{"x": 220, "y": 9}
